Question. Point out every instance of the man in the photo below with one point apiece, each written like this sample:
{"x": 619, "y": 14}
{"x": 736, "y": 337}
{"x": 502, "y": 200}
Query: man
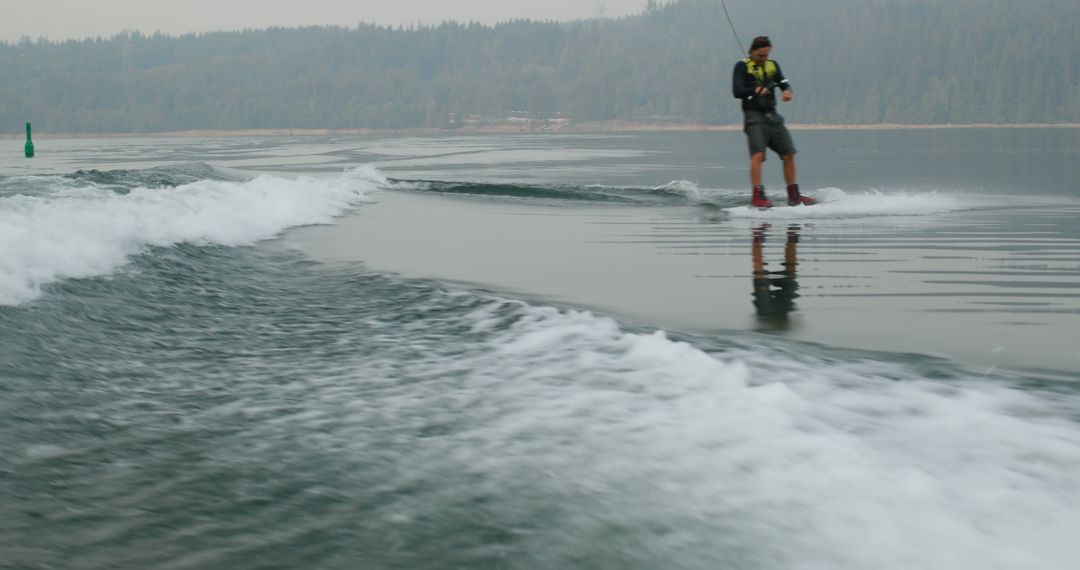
{"x": 754, "y": 81}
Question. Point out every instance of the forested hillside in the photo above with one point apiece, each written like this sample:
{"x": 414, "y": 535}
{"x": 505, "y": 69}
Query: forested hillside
{"x": 850, "y": 61}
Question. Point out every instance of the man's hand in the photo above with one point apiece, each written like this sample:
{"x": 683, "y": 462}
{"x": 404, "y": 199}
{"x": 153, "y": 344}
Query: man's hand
{"x": 760, "y": 90}
{"x": 786, "y": 96}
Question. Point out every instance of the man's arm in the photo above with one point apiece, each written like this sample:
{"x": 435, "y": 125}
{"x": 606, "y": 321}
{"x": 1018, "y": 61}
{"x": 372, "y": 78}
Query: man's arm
{"x": 783, "y": 83}
{"x": 739, "y": 88}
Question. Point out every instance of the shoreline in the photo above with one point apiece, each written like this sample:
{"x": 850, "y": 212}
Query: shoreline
{"x": 580, "y": 128}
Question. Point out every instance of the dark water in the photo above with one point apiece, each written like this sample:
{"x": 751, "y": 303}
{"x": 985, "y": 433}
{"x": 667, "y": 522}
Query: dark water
{"x": 182, "y": 387}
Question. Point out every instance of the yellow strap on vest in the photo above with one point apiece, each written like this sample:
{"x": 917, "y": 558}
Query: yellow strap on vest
{"x": 762, "y": 73}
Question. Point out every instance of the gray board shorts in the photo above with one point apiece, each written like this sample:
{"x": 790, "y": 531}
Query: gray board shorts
{"x": 767, "y": 130}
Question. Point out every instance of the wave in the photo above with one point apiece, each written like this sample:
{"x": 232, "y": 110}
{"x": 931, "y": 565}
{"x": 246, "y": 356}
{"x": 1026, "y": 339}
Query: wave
{"x": 88, "y": 223}
{"x": 858, "y": 463}
{"x": 169, "y": 176}
{"x": 70, "y": 227}
{"x": 479, "y": 429}
{"x": 676, "y": 192}
{"x": 120, "y": 181}
{"x": 834, "y": 203}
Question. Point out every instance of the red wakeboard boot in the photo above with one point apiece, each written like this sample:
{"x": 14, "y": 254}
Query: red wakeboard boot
{"x": 758, "y": 199}
{"x": 794, "y": 198}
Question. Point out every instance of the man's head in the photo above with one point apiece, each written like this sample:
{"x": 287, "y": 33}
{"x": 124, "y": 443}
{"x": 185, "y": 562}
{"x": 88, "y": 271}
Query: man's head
{"x": 760, "y": 48}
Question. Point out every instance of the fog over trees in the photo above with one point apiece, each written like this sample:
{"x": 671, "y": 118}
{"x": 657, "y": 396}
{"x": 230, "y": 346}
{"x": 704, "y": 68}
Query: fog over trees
{"x": 867, "y": 61}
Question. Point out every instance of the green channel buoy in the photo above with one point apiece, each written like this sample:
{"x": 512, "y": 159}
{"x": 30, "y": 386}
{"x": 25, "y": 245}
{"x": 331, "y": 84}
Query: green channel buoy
{"x": 29, "y": 143}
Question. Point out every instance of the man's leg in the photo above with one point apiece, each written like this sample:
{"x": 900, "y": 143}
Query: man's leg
{"x": 758, "y": 198}
{"x": 755, "y": 168}
{"x": 794, "y": 198}
{"x": 783, "y": 145}
{"x": 758, "y": 139}
{"x": 789, "y": 168}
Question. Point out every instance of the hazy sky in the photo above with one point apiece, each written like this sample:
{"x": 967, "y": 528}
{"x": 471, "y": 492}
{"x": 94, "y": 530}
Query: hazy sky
{"x": 59, "y": 19}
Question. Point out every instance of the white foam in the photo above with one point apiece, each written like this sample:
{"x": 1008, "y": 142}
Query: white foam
{"x": 810, "y": 462}
{"x": 687, "y": 188}
{"x": 695, "y": 194}
{"x": 835, "y": 203}
{"x": 75, "y": 233}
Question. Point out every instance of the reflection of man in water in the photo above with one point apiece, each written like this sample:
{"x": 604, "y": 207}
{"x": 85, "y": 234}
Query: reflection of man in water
{"x": 775, "y": 291}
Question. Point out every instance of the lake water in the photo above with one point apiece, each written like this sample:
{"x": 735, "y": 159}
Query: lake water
{"x": 540, "y": 351}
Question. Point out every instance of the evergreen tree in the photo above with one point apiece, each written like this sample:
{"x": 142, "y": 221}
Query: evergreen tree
{"x": 900, "y": 61}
